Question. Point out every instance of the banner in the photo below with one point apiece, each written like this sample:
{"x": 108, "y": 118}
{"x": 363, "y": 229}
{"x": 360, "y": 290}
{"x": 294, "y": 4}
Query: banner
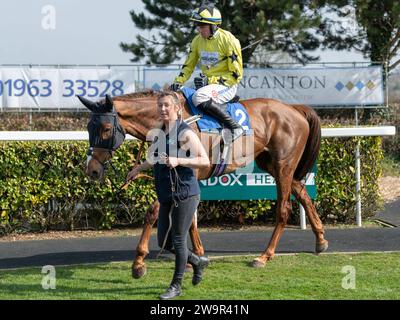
{"x": 51, "y": 88}
{"x": 250, "y": 185}
{"x": 350, "y": 86}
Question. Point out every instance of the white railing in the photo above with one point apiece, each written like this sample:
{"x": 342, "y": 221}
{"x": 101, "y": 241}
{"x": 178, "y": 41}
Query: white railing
{"x": 326, "y": 133}
{"x": 83, "y": 135}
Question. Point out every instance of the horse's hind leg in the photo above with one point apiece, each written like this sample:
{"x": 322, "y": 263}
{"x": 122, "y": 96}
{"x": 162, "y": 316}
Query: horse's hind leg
{"x": 195, "y": 237}
{"x": 196, "y": 241}
{"x": 142, "y": 250}
{"x": 283, "y": 177}
{"x": 300, "y": 192}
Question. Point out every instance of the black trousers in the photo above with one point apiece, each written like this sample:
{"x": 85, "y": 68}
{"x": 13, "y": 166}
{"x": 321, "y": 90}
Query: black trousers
{"x": 173, "y": 228}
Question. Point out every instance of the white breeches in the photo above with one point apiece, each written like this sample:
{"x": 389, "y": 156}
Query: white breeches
{"x": 219, "y": 93}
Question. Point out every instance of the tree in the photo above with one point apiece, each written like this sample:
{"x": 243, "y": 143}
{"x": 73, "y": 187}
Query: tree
{"x": 376, "y": 29}
{"x": 280, "y": 25}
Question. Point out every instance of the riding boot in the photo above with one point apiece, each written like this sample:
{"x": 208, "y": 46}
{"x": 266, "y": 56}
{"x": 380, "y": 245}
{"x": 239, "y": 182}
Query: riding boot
{"x": 218, "y": 111}
{"x": 199, "y": 264}
{"x": 174, "y": 290}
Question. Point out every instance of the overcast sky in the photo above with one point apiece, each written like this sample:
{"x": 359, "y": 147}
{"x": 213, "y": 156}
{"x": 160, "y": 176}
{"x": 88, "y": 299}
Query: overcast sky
{"x": 79, "y": 32}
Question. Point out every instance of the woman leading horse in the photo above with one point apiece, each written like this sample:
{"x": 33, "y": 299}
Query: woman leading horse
{"x": 176, "y": 186}
{"x": 286, "y": 144}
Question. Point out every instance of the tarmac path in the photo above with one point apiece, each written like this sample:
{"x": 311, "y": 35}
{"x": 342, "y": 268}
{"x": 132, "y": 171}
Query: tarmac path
{"x": 19, "y": 254}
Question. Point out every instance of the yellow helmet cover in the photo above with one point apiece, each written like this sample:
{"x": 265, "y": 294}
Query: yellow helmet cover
{"x": 207, "y": 14}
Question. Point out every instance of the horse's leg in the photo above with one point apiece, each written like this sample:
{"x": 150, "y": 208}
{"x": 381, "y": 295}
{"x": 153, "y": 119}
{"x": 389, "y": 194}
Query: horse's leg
{"x": 196, "y": 242}
{"x": 195, "y": 237}
{"x": 300, "y": 192}
{"x": 283, "y": 177}
{"x": 142, "y": 250}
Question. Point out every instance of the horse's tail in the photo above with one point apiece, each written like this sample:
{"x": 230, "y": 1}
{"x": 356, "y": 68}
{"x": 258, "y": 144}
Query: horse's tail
{"x": 311, "y": 150}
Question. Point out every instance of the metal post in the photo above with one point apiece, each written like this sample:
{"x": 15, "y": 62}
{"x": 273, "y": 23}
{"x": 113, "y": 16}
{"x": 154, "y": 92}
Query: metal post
{"x": 358, "y": 185}
{"x": 303, "y": 224}
{"x": 139, "y": 86}
{"x": 358, "y": 179}
{"x": 386, "y": 83}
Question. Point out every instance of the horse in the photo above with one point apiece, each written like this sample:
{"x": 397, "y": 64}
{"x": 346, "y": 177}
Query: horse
{"x": 286, "y": 144}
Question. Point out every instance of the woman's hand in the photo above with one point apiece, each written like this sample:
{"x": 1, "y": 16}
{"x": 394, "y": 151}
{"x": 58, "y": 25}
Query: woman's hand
{"x": 172, "y": 162}
{"x": 136, "y": 170}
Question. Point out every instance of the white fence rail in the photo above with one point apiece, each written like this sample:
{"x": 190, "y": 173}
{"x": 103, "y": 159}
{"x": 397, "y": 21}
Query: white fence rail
{"x": 83, "y": 135}
{"x": 326, "y": 133}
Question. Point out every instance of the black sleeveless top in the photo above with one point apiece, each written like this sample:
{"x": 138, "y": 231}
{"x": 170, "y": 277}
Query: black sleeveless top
{"x": 187, "y": 183}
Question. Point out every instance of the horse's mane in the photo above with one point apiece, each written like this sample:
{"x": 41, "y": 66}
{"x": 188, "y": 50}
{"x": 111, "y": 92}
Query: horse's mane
{"x": 144, "y": 94}
{"x": 137, "y": 95}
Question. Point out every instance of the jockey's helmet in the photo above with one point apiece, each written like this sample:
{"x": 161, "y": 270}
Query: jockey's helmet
{"x": 207, "y": 14}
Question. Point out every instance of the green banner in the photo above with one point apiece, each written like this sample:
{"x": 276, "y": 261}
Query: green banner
{"x": 248, "y": 185}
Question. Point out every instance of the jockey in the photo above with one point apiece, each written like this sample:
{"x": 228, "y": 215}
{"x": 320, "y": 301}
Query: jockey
{"x": 220, "y": 56}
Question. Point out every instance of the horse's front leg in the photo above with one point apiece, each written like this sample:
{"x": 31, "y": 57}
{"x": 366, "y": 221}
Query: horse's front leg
{"x": 142, "y": 250}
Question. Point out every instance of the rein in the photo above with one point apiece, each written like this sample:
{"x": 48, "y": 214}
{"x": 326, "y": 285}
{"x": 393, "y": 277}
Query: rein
{"x": 106, "y": 164}
{"x": 110, "y": 145}
{"x": 125, "y": 185}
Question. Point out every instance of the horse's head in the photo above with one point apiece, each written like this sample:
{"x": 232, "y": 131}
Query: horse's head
{"x": 105, "y": 135}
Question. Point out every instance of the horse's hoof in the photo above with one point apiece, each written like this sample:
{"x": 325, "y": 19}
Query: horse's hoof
{"x": 139, "y": 271}
{"x": 258, "y": 263}
{"x": 321, "y": 247}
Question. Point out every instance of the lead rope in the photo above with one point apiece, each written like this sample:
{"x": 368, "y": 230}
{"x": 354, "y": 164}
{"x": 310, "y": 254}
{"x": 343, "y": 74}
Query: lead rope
{"x": 176, "y": 188}
{"x": 179, "y": 189}
{"x": 169, "y": 229}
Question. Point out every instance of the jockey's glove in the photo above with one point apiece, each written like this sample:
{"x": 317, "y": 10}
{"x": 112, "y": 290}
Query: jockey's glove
{"x": 200, "y": 82}
{"x": 175, "y": 86}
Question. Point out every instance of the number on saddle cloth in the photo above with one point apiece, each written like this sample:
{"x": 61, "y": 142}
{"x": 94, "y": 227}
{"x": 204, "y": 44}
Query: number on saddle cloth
{"x": 208, "y": 123}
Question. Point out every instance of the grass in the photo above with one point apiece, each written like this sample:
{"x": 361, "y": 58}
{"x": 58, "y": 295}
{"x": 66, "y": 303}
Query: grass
{"x": 302, "y": 276}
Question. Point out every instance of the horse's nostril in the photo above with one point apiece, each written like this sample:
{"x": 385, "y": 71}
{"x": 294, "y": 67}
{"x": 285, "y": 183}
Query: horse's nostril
{"x": 95, "y": 174}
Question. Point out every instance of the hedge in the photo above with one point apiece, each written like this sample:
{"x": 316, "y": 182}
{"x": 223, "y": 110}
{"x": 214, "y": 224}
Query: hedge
{"x": 43, "y": 186}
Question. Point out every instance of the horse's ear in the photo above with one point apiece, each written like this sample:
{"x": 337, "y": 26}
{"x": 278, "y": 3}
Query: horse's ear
{"x": 109, "y": 103}
{"x": 87, "y": 103}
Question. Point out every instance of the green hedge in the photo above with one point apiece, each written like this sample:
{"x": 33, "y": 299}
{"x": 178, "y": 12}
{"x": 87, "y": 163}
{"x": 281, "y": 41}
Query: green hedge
{"x": 43, "y": 186}
{"x": 336, "y": 182}
{"x": 336, "y": 185}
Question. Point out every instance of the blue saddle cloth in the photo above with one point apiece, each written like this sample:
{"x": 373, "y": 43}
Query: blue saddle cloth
{"x": 207, "y": 123}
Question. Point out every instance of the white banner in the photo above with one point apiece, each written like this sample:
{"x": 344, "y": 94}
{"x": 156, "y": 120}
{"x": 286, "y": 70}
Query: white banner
{"x": 360, "y": 86}
{"x": 49, "y": 88}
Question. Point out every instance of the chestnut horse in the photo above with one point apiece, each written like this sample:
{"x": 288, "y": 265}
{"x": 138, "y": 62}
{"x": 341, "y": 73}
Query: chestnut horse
{"x": 286, "y": 144}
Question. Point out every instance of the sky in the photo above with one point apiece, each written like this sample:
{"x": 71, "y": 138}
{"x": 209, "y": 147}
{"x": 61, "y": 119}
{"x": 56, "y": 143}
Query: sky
{"x": 79, "y": 32}
{"x": 85, "y": 31}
